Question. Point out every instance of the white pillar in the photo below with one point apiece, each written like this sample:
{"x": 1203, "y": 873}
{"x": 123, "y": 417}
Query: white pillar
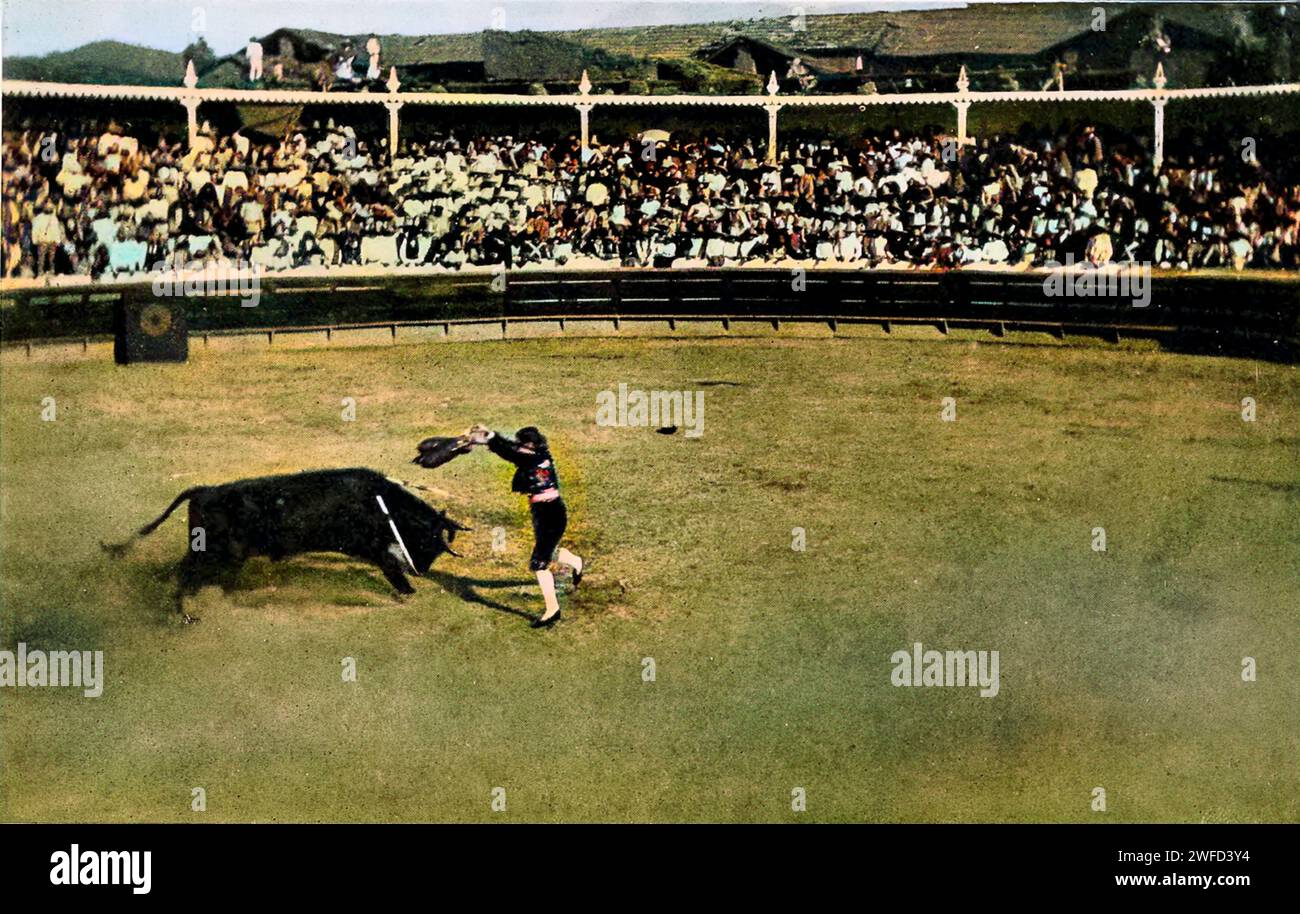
{"x": 584, "y": 121}
{"x": 772, "y": 106}
{"x": 772, "y": 109}
{"x": 963, "y": 87}
{"x": 1159, "y": 81}
{"x": 1159, "y": 157}
{"x": 191, "y": 120}
{"x": 393, "y": 127}
{"x": 962, "y": 108}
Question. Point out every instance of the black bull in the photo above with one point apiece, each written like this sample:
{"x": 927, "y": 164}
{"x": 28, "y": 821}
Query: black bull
{"x": 316, "y": 511}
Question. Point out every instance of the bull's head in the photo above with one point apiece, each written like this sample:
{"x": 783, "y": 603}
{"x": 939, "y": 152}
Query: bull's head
{"x": 434, "y": 537}
{"x": 448, "y": 534}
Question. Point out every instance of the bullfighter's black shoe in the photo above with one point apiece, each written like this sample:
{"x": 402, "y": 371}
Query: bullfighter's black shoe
{"x": 539, "y": 622}
{"x": 577, "y": 578}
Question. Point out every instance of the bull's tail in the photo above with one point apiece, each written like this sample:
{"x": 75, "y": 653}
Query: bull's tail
{"x": 183, "y": 497}
{"x": 117, "y": 549}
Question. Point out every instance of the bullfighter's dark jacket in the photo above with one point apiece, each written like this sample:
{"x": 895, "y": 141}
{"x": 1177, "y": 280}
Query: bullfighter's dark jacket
{"x": 535, "y": 473}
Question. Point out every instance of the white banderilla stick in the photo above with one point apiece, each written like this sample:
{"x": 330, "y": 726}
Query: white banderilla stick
{"x": 392, "y": 526}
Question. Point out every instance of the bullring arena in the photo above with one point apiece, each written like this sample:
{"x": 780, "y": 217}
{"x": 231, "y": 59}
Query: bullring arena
{"x": 910, "y": 434}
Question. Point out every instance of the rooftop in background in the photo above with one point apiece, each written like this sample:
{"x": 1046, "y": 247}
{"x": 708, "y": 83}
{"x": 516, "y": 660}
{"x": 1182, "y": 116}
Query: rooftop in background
{"x": 1004, "y": 46}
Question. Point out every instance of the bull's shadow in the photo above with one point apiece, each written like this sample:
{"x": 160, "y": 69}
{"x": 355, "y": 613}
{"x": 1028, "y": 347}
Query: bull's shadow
{"x": 344, "y": 579}
{"x": 339, "y": 581}
{"x": 466, "y": 589}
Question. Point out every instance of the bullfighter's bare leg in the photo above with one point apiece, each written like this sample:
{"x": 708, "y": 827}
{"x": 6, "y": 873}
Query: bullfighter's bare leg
{"x": 546, "y": 581}
{"x": 573, "y": 560}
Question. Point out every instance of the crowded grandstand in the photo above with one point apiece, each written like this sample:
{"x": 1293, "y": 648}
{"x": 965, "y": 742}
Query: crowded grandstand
{"x": 88, "y": 199}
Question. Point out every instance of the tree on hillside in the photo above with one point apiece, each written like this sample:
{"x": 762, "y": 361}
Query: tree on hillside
{"x": 201, "y": 54}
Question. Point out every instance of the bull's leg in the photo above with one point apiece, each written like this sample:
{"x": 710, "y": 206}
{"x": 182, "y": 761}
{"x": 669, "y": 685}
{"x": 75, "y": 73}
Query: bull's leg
{"x": 193, "y": 572}
{"x": 192, "y": 575}
{"x": 392, "y": 568}
{"x": 199, "y": 570}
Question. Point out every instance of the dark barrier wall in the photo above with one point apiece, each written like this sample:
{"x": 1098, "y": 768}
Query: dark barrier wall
{"x": 1223, "y": 312}
{"x": 289, "y": 302}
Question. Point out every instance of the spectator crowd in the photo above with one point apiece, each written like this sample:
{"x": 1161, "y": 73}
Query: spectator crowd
{"x": 97, "y": 202}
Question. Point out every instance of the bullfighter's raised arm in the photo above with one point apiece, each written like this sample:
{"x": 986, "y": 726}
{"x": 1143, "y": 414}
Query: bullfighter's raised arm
{"x": 508, "y": 448}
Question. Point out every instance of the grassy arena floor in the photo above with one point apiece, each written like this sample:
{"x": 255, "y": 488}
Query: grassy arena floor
{"x": 1119, "y": 670}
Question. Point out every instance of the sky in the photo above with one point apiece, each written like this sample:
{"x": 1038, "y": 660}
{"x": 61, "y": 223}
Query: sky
{"x": 41, "y": 26}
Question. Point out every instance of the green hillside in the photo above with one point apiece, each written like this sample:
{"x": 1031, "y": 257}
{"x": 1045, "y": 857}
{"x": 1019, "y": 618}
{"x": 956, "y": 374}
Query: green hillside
{"x": 109, "y": 62}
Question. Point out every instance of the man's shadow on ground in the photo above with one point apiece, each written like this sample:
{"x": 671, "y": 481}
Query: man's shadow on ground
{"x": 465, "y": 588}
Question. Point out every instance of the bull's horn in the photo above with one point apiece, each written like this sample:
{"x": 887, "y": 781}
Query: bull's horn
{"x": 447, "y": 543}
